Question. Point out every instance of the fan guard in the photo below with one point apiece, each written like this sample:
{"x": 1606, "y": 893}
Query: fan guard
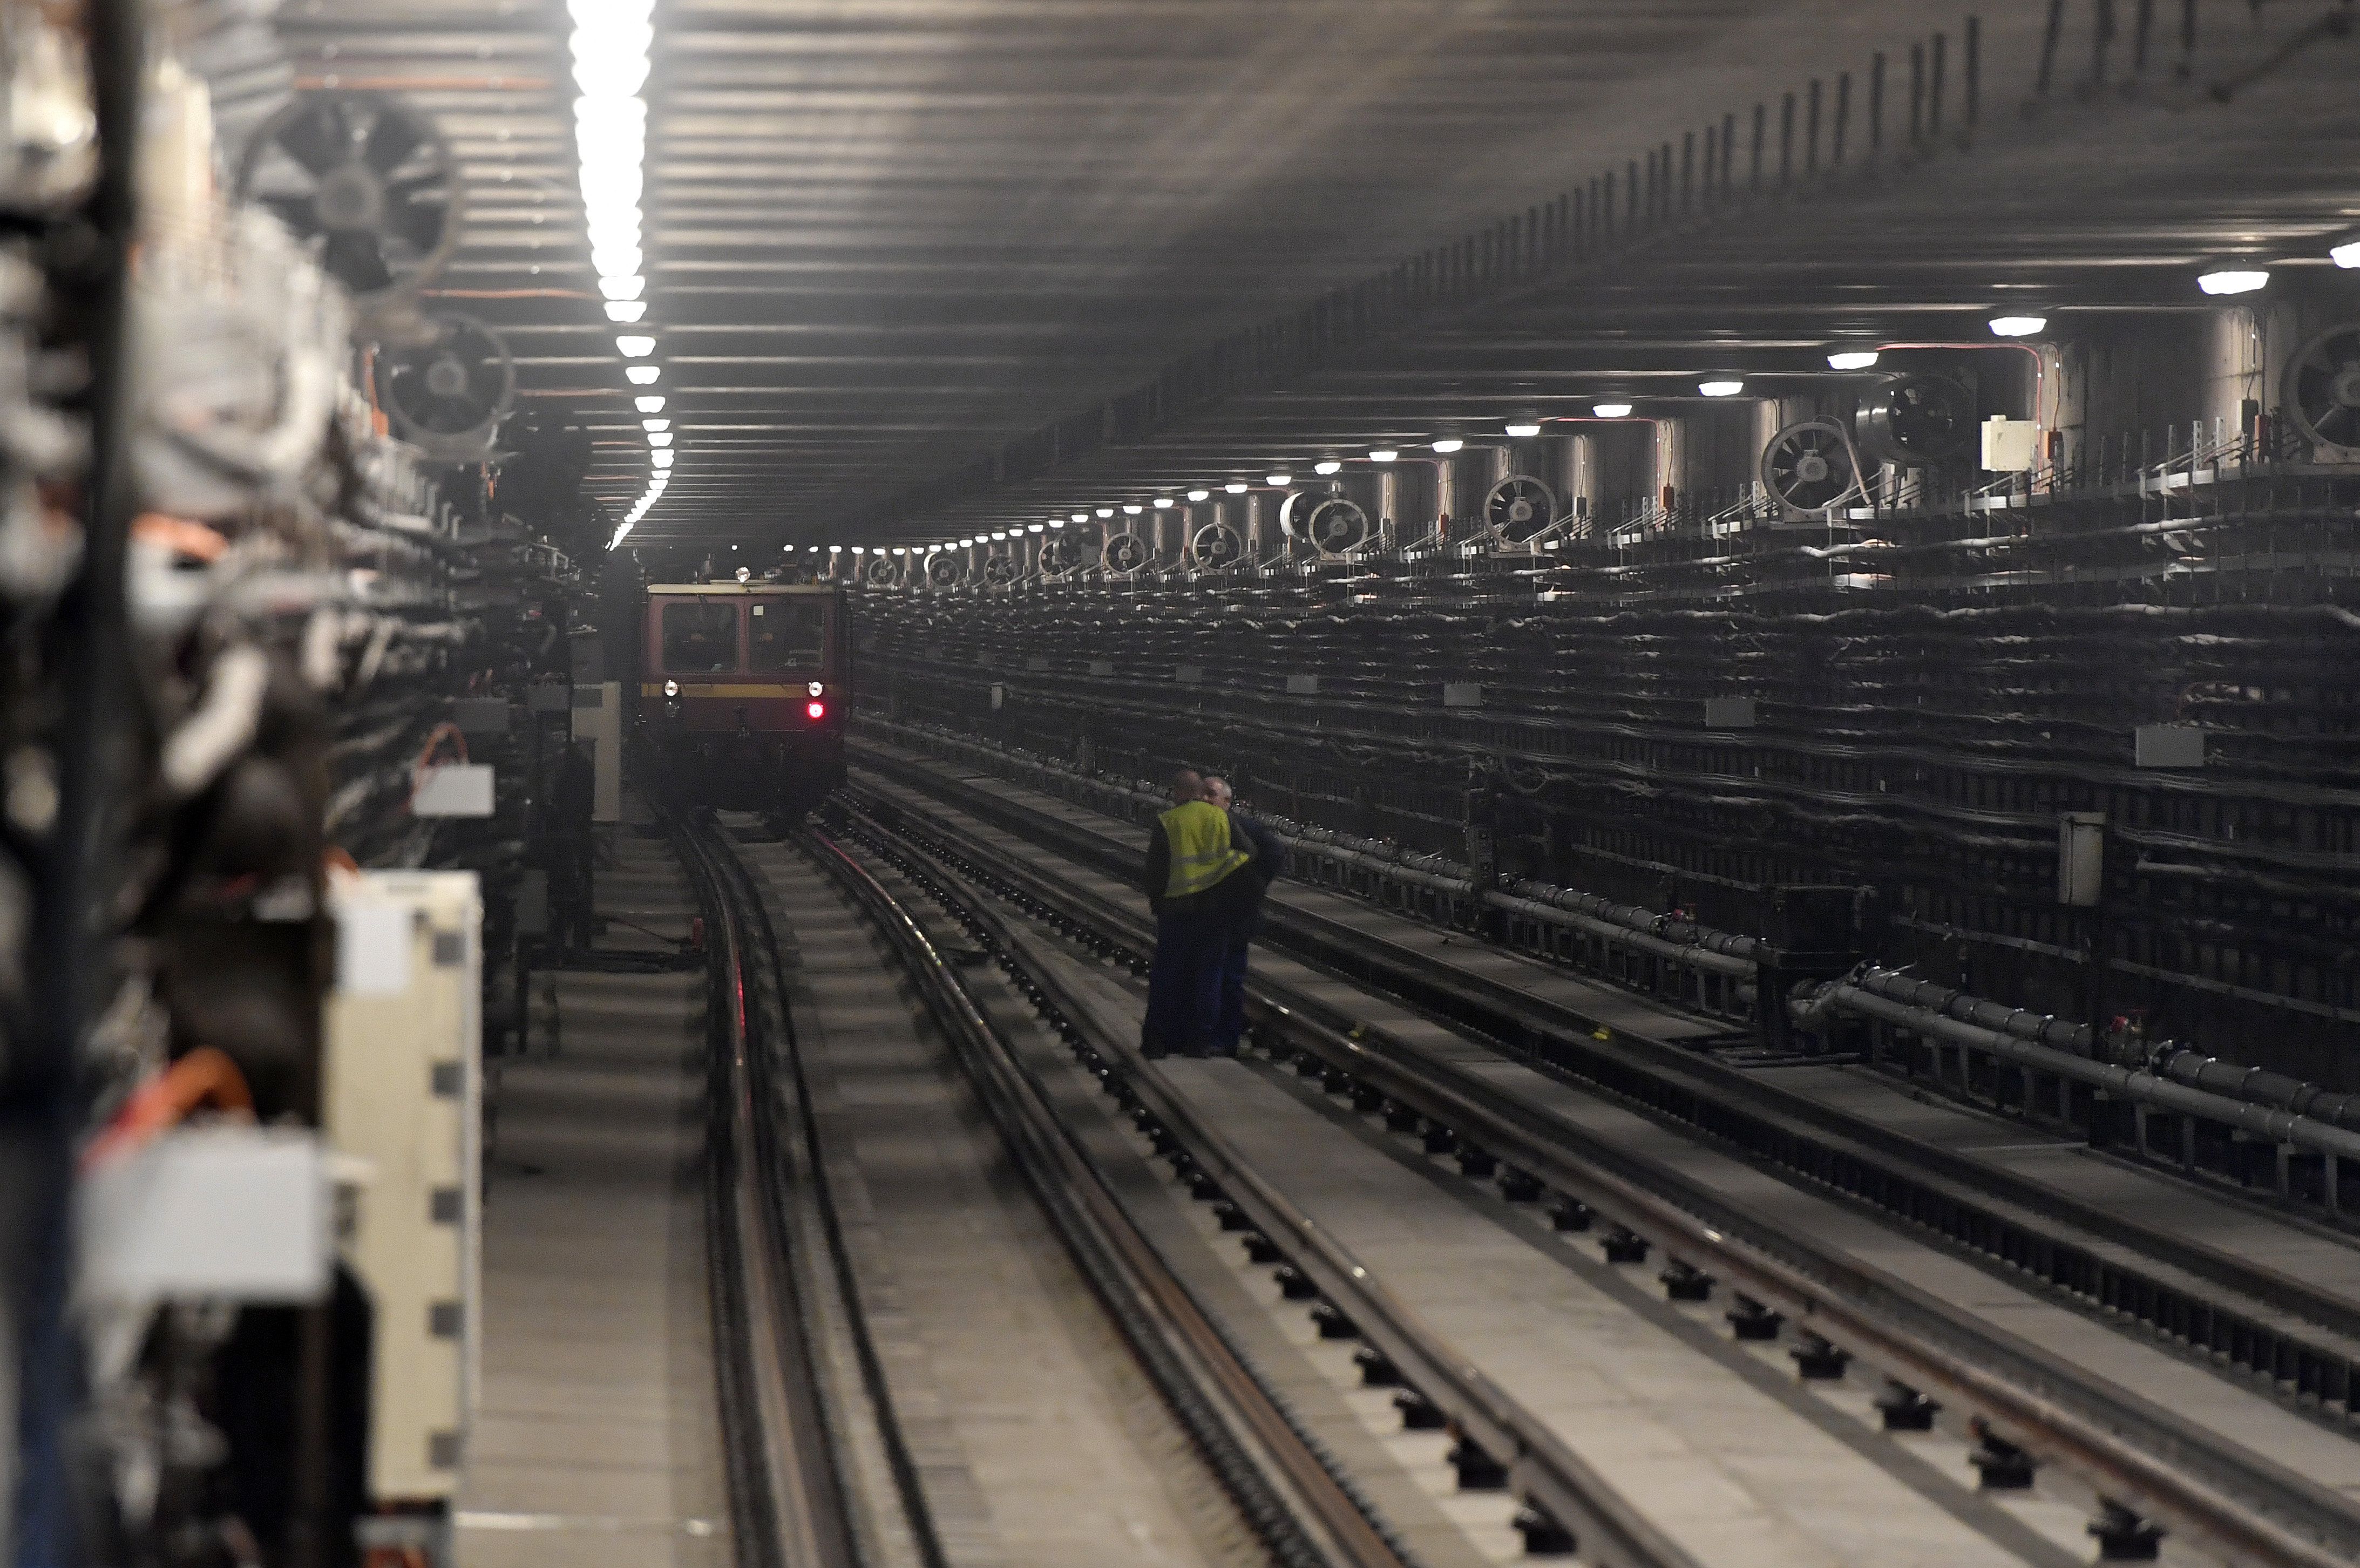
{"x": 945, "y": 570}
{"x": 1519, "y": 507}
{"x": 1338, "y": 527}
{"x": 366, "y": 182}
{"x": 2322, "y": 391}
{"x": 1916, "y": 420}
{"x": 1124, "y": 554}
{"x": 1215, "y": 545}
{"x": 447, "y": 394}
{"x": 1059, "y": 555}
{"x": 1000, "y": 570}
{"x": 1807, "y": 467}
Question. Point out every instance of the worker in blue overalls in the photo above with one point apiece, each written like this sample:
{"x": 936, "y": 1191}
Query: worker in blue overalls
{"x": 1198, "y": 883}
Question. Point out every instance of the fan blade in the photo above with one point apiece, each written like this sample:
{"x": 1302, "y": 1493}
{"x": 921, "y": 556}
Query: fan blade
{"x": 2340, "y": 427}
{"x": 421, "y": 221}
{"x": 312, "y": 139}
{"x": 354, "y": 260}
{"x": 391, "y": 139}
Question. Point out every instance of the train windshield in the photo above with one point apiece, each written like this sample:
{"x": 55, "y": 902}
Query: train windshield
{"x": 700, "y": 637}
{"x": 789, "y": 634}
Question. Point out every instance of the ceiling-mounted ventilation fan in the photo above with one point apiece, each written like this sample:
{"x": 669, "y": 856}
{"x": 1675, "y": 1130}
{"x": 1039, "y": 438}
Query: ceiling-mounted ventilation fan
{"x": 1000, "y": 570}
{"x": 1215, "y": 545}
{"x": 2321, "y": 390}
{"x": 1519, "y": 507}
{"x": 883, "y": 572}
{"x": 1059, "y": 555}
{"x": 1336, "y": 527}
{"x": 1914, "y": 420}
{"x": 365, "y": 182}
{"x": 1124, "y": 554}
{"x": 1807, "y": 467}
{"x": 447, "y": 394}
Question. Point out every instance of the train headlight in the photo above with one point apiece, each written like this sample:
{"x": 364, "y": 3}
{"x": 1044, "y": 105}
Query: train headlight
{"x": 815, "y": 689}
{"x": 671, "y": 688}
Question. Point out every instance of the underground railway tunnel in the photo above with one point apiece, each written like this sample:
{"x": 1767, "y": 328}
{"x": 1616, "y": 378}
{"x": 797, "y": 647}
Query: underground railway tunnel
{"x": 617, "y": 940}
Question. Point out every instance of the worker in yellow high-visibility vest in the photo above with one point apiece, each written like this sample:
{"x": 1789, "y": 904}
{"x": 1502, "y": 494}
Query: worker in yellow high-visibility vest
{"x": 1196, "y": 884}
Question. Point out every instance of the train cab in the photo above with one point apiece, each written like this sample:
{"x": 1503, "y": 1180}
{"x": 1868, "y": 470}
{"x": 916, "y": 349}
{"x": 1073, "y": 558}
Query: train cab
{"x": 744, "y": 694}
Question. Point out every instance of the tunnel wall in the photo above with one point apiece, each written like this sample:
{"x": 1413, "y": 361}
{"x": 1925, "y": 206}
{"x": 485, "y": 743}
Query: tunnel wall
{"x": 1930, "y": 693}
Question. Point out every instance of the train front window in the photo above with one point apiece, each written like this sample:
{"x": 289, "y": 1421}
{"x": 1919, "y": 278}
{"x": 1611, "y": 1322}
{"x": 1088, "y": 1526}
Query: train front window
{"x": 700, "y": 637}
{"x": 789, "y": 634}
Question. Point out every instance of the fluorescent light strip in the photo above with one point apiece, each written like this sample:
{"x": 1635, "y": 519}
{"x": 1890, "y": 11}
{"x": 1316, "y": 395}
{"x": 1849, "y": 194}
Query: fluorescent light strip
{"x": 609, "y": 46}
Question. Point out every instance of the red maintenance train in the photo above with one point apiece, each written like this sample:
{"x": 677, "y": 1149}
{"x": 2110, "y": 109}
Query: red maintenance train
{"x": 744, "y": 692}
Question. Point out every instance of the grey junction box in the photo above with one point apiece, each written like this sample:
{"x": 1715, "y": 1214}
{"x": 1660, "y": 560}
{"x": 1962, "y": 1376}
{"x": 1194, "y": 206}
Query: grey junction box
{"x": 2167, "y": 745}
{"x": 1728, "y": 712}
{"x": 1462, "y": 694}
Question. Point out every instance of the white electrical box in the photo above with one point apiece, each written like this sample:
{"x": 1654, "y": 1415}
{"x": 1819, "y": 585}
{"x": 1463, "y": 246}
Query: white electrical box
{"x": 2010, "y": 446}
{"x": 1728, "y": 712}
{"x": 402, "y": 1091}
{"x": 454, "y": 789}
{"x": 1303, "y": 685}
{"x": 598, "y": 719}
{"x": 1462, "y": 694}
{"x": 236, "y": 1213}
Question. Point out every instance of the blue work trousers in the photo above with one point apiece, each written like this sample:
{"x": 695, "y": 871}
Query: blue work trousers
{"x": 1230, "y": 1027}
{"x": 1183, "y": 985}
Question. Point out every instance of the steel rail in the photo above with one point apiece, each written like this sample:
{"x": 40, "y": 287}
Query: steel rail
{"x": 788, "y": 1505}
{"x": 1983, "y": 1209}
{"x": 1302, "y": 1509}
{"x": 2257, "y": 1513}
{"x": 1541, "y": 1467}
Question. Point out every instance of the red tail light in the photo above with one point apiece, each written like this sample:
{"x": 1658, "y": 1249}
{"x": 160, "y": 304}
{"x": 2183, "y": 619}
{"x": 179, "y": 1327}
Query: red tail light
{"x": 814, "y": 710}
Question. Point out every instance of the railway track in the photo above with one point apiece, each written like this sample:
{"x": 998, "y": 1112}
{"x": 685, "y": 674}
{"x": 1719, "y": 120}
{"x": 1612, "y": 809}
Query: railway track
{"x": 788, "y": 1281}
{"x": 2242, "y": 1452}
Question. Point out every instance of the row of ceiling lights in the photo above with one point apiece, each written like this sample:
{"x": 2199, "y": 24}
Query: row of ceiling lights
{"x": 2223, "y": 281}
{"x": 611, "y": 44}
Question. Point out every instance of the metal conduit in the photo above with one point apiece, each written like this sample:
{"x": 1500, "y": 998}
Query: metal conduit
{"x": 2039, "y": 1028}
{"x": 2136, "y": 1086}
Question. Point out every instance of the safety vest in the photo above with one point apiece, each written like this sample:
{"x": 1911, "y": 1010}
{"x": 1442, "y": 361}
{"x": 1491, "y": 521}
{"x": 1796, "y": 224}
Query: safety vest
{"x": 1198, "y": 833}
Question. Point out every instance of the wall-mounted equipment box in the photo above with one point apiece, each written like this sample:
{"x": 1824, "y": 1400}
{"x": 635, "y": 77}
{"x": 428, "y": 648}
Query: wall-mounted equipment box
{"x": 1102, "y": 667}
{"x": 1303, "y": 685}
{"x": 402, "y": 1095}
{"x": 2167, "y": 745}
{"x": 1728, "y": 712}
{"x": 2080, "y": 857}
{"x": 234, "y": 1214}
{"x": 454, "y": 789}
{"x": 1036, "y": 662}
{"x": 2010, "y": 446}
{"x": 1189, "y": 674}
{"x": 598, "y": 719}
{"x": 1462, "y": 694}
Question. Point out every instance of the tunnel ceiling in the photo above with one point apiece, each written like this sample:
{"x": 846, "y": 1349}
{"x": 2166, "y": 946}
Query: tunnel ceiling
{"x": 917, "y": 265}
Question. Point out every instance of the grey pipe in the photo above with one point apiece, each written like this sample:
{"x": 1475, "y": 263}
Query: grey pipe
{"x": 2039, "y": 1028}
{"x": 2138, "y": 1086}
{"x": 2255, "y": 1085}
{"x": 1623, "y": 935}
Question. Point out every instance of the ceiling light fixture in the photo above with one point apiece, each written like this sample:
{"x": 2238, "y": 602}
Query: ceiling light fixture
{"x": 659, "y": 437}
{"x": 1721, "y": 388}
{"x": 1447, "y": 445}
{"x": 644, "y": 374}
{"x": 1382, "y": 455}
{"x": 1611, "y": 410}
{"x": 1235, "y": 488}
{"x": 1105, "y": 511}
{"x": 2017, "y": 326}
{"x": 661, "y": 459}
{"x": 1330, "y": 466}
{"x": 1526, "y": 429}
{"x": 632, "y": 347}
{"x": 1081, "y": 517}
{"x": 2346, "y": 255}
{"x": 1133, "y": 509}
{"x": 649, "y": 405}
{"x": 1162, "y": 501}
{"x": 1852, "y": 359}
{"x": 2233, "y": 280}
{"x": 1056, "y": 522}
{"x": 622, "y": 288}
{"x": 1193, "y": 495}
{"x": 1281, "y": 480}
{"x": 624, "y": 312}
{"x": 655, "y": 424}
{"x": 1031, "y": 528}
